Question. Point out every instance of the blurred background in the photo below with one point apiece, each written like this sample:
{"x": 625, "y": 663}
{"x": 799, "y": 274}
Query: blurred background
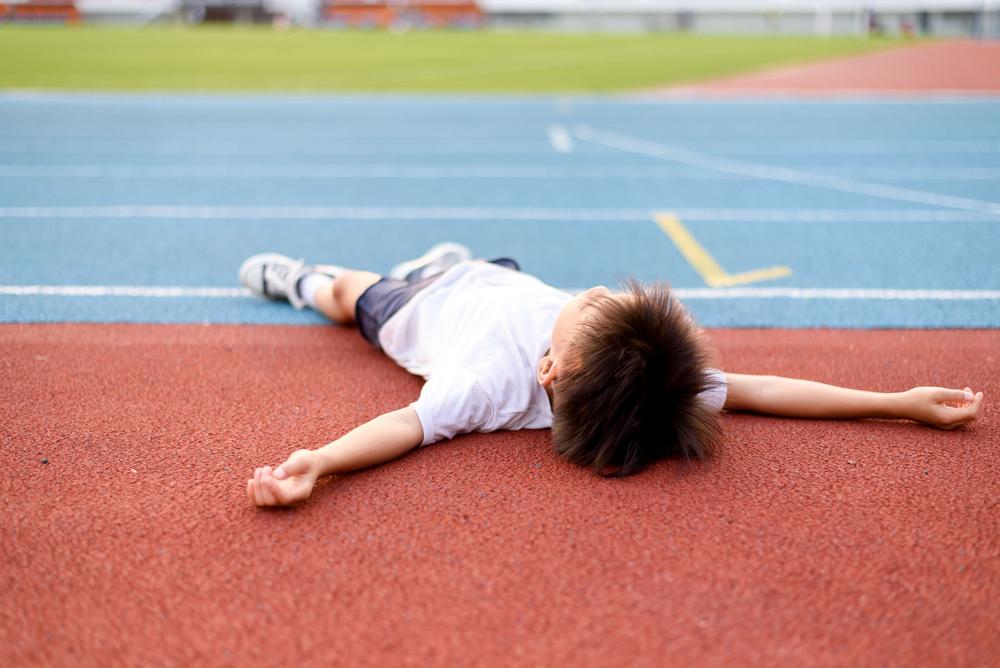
{"x": 376, "y": 127}
{"x": 976, "y": 18}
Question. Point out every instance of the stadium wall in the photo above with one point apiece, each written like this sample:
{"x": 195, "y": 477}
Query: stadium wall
{"x": 978, "y": 18}
{"x": 822, "y": 17}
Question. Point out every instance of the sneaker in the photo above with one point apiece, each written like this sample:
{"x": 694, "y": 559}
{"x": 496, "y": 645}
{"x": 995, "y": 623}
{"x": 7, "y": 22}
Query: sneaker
{"x": 274, "y": 276}
{"x": 435, "y": 261}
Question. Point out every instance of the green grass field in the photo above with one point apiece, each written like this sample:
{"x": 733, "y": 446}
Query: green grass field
{"x": 221, "y": 58}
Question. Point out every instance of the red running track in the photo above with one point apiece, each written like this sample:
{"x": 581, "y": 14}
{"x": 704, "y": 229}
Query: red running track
{"x": 955, "y": 66}
{"x": 802, "y": 543}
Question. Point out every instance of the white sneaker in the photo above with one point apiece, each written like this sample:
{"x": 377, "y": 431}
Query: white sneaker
{"x": 437, "y": 260}
{"x": 274, "y": 276}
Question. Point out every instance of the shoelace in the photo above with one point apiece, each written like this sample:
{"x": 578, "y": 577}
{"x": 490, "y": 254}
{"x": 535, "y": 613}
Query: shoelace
{"x": 275, "y": 277}
{"x": 280, "y": 281}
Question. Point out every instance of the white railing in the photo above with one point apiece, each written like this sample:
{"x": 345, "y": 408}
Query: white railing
{"x": 728, "y": 6}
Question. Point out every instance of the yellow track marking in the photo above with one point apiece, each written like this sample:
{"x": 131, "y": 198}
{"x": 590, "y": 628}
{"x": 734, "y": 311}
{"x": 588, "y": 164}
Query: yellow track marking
{"x": 705, "y": 264}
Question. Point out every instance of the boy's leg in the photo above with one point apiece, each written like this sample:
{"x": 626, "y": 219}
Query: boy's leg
{"x": 334, "y": 291}
{"x": 338, "y": 299}
{"x": 330, "y": 289}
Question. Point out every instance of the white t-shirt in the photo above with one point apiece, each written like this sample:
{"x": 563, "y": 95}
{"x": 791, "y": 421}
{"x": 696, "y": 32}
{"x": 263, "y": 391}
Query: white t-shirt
{"x": 476, "y": 334}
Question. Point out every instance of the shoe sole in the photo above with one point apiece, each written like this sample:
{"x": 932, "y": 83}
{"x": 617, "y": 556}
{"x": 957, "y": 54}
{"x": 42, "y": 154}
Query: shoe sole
{"x": 402, "y": 270}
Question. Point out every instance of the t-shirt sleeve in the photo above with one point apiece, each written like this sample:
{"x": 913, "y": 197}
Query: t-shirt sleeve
{"x": 452, "y": 403}
{"x": 714, "y": 398}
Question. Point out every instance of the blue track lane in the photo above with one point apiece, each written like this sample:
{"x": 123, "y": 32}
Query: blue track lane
{"x": 175, "y": 190}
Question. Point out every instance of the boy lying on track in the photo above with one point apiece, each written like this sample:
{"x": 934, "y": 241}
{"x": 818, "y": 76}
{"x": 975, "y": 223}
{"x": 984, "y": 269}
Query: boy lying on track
{"x": 622, "y": 378}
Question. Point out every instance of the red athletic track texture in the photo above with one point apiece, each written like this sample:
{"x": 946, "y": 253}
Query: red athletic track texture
{"x": 802, "y": 543}
{"x": 955, "y": 66}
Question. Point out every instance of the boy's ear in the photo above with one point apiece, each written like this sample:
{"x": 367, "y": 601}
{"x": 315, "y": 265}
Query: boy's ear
{"x": 547, "y": 371}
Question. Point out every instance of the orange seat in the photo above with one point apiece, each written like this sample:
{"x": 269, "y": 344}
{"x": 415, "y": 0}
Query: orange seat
{"x": 63, "y": 11}
{"x": 386, "y": 13}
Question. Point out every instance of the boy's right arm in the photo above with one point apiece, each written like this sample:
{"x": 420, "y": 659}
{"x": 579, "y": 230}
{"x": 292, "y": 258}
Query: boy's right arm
{"x": 386, "y": 437}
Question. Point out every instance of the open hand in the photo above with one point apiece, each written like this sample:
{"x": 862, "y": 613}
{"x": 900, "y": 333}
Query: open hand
{"x": 941, "y": 407}
{"x": 288, "y": 485}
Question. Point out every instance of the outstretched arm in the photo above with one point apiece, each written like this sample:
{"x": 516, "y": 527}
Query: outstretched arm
{"x": 386, "y": 437}
{"x": 791, "y": 397}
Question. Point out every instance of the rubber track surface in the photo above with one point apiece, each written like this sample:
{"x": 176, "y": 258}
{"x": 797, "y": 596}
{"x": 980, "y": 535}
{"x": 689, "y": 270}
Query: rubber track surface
{"x": 801, "y": 543}
{"x": 960, "y": 65}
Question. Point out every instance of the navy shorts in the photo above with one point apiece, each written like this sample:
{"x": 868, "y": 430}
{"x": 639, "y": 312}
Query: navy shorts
{"x": 383, "y": 299}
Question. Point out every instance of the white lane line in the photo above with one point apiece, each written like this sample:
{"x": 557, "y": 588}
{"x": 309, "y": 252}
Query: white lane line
{"x": 560, "y": 142}
{"x": 279, "y": 150}
{"x": 364, "y": 149}
{"x": 57, "y": 142}
{"x": 833, "y": 215}
{"x": 903, "y": 173}
{"x": 323, "y": 213}
{"x": 320, "y": 171}
{"x": 172, "y": 292}
{"x": 177, "y": 292}
{"x": 301, "y": 172}
{"x": 782, "y": 174}
{"x": 560, "y": 139}
{"x": 846, "y": 96}
{"x": 837, "y": 294}
{"x": 883, "y": 147}
{"x": 171, "y": 212}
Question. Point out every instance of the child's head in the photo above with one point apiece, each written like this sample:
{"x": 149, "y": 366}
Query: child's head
{"x": 624, "y": 373}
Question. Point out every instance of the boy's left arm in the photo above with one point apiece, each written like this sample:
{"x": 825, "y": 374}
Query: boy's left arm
{"x": 791, "y": 397}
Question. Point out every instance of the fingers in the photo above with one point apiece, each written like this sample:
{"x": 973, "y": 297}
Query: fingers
{"x": 261, "y": 488}
{"x": 265, "y": 489}
{"x": 955, "y": 396}
{"x": 960, "y": 415}
{"x": 275, "y": 491}
{"x": 972, "y": 410}
{"x": 261, "y": 493}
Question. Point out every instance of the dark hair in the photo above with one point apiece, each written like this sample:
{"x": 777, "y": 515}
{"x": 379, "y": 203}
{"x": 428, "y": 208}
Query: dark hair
{"x": 627, "y": 393}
